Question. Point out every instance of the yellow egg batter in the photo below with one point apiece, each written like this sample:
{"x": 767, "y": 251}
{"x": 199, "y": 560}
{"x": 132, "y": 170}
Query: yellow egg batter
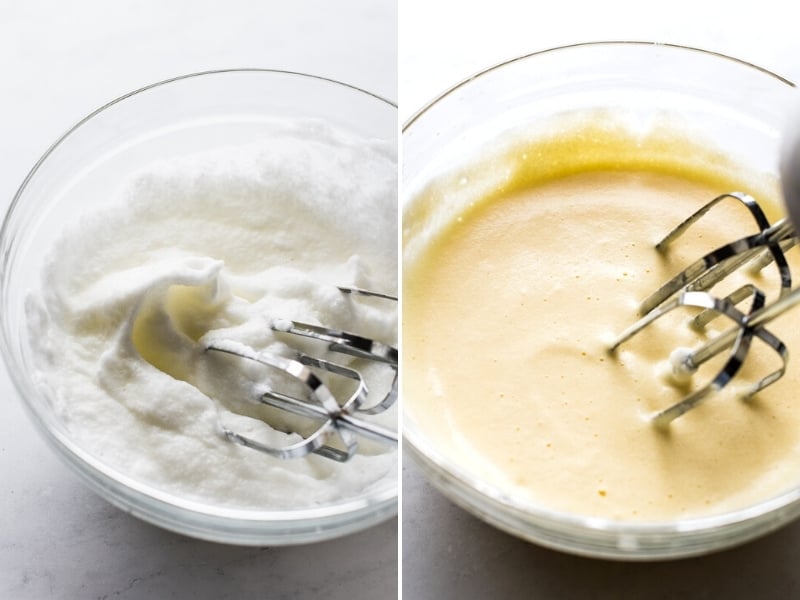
{"x": 510, "y": 302}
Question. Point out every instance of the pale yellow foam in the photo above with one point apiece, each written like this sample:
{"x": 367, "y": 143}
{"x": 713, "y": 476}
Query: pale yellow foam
{"x": 508, "y": 310}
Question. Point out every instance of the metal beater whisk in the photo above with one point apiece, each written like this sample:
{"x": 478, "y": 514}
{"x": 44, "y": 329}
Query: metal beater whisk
{"x": 339, "y": 420}
{"x": 692, "y": 287}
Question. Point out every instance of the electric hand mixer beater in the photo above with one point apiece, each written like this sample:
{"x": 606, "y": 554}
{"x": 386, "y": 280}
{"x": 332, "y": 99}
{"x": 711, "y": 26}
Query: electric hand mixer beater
{"x": 339, "y": 421}
{"x": 693, "y": 287}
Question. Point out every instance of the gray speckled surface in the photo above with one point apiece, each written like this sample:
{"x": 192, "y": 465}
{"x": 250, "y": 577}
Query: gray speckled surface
{"x": 448, "y": 553}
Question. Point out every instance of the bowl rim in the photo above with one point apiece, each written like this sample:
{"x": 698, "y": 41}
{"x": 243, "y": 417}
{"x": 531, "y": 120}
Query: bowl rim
{"x": 479, "y": 493}
{"x": 177, "y": 78}
{"x": 594, "y": 44}
{"x": 160, "y": 507}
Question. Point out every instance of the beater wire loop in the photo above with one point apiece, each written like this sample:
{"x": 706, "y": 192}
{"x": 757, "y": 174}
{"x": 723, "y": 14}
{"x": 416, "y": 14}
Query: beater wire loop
{"x": 338, "y": 424}
{"x": 693, "y": 286}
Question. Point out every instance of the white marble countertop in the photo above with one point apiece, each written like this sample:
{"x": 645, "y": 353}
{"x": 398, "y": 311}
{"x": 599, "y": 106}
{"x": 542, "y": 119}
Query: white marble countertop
{"x": 446, "y": 552}
{"x": 59, "y": 61}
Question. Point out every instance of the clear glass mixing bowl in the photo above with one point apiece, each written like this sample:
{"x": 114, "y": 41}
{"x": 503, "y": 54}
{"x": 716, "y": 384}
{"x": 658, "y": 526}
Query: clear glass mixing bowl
{"x": 180, "y": 116}
{"x": 732, "y": 104}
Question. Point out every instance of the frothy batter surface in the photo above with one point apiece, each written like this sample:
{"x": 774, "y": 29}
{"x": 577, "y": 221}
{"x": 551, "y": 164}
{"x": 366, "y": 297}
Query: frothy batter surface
{"x": 507, "y": 317}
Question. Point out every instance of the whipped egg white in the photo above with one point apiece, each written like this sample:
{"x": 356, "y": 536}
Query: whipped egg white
{"x": 216, "y": 246}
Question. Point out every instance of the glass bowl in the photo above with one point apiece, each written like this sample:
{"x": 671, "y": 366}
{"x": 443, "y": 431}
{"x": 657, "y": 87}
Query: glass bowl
{"x": 733, "y": 105}
{"x": 176, "y": 117}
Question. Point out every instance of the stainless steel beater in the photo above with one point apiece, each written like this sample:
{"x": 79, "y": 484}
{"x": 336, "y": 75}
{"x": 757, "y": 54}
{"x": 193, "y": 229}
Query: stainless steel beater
{"x": 340, "y": 421}
{"x": 693, "y": 287}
